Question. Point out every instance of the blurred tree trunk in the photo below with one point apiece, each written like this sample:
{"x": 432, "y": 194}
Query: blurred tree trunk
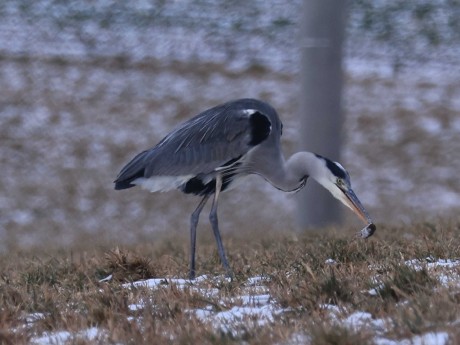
{"x": 320, "y": 103}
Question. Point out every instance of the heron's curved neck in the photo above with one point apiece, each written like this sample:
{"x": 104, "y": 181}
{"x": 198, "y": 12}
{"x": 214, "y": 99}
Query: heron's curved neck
{"x": 296, "y": 169}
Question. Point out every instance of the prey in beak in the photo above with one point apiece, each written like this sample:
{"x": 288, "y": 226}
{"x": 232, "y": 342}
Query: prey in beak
{"x": 350, "y": 200}
{"x": 336, "y": 179}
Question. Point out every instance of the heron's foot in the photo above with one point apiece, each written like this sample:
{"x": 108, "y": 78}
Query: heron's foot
{"x": 229, "y": 274}
{"x": 192, "y": 273}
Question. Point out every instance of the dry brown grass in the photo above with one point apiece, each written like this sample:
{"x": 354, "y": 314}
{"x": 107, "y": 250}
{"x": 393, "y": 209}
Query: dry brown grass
{"x": 65, "y": 288}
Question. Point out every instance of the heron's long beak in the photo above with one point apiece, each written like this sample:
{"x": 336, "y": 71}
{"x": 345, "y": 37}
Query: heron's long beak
{"x": 351, "y": 200}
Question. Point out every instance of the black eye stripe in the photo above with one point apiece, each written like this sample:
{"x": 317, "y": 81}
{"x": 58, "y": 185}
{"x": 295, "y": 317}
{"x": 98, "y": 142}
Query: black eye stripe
{"x": 334, "y": 168}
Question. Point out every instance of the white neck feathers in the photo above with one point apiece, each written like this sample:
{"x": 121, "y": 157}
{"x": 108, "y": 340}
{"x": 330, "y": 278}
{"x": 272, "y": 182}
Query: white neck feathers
{"x": 296, "y": 169}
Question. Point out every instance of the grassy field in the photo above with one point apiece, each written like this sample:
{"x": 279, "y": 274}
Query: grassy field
{"x": 321, "y": 288}
{"x": 66, "y": 129}
{"x": 73, "y": 251}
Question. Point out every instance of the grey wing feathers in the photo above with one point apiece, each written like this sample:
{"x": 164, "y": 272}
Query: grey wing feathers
{"x": 205, "y": 142}
{"x": 202, "y": 144}
{"x": 131, "y": 171}
{"x": 135, "y": 165}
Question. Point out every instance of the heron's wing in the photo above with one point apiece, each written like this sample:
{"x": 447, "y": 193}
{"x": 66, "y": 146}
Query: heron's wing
{"x": 214, "y": 138}
{"x": 208, "y": 141}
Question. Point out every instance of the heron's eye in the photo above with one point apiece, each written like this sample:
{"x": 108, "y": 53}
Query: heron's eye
{"x": 340, "y": 182}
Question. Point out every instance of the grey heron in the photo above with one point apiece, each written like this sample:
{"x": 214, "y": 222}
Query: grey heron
{"x": 208, "y": 153}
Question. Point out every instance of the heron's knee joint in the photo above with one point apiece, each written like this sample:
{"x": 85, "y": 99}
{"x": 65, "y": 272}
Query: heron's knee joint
{"x": 213, "y": 216}
{"x": 194, "y": 218}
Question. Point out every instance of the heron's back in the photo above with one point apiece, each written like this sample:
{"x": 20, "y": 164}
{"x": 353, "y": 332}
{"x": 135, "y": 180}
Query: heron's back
{"x": 191, "y": 155}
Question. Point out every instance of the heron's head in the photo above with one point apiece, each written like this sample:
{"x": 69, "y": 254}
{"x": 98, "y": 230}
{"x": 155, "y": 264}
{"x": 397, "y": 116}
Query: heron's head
{"x": 333, "y": 176}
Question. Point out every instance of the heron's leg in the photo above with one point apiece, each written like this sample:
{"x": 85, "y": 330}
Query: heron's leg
{"x": 193, "y": 224}
{"x": 215, "y": 226}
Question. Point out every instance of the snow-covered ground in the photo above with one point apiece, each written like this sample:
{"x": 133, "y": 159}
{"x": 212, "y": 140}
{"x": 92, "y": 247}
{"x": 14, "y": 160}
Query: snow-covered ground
{"x": 255, "y": 307}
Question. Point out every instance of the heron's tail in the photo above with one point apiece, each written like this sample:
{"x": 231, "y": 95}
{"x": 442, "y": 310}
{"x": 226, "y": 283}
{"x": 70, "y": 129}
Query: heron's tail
{"x": 131, "y": 171}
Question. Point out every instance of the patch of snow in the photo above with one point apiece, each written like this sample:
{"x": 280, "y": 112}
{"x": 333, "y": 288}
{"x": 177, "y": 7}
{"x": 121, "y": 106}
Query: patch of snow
{"x": 155, "y": 282}
{"x": 360, "y": 320}
{"x": 52, "y": 338}
{"x": 136, "y": 306}
{"x": 455, "y": 125}
{"x": 429, "y": 264}
{"x": 255, "y": 300}
{"x": 439, "y": 338}
{"x": 248, "y": 309}
{"x": 330, "y": 307}
{"x": 63, "y": 337}
{"x": 364, "y": 68}
{"x": 250, "y": 305}
{"x": 22, "y": 217}
{"x": 256, "y": 280}
{"x": 231, "y": 320}
{"x": 180, "y": 282}
{"x": 437, "y": 195}
{"x": 106, "y": 279}
{"x": 375, "y": 291}
{"x": 33, "y": 317}
{"x": 330, "y": 262}
{"x": 430, "y": 125}
{"x": 208, "y": 292}
{"x": 444, "y": 270}
{"x": 239, "y": 314}
{"x": 299, "y": 338}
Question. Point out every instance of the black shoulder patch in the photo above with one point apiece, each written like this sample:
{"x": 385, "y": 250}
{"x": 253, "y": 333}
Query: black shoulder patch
{"x": 260, "y": 128}
{"x": 196, "y": 186}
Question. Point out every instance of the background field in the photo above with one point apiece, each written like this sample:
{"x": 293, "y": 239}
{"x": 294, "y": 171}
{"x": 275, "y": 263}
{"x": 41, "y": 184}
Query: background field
{"x": 85, "y": 86}
{"x": 402, "y": 288}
